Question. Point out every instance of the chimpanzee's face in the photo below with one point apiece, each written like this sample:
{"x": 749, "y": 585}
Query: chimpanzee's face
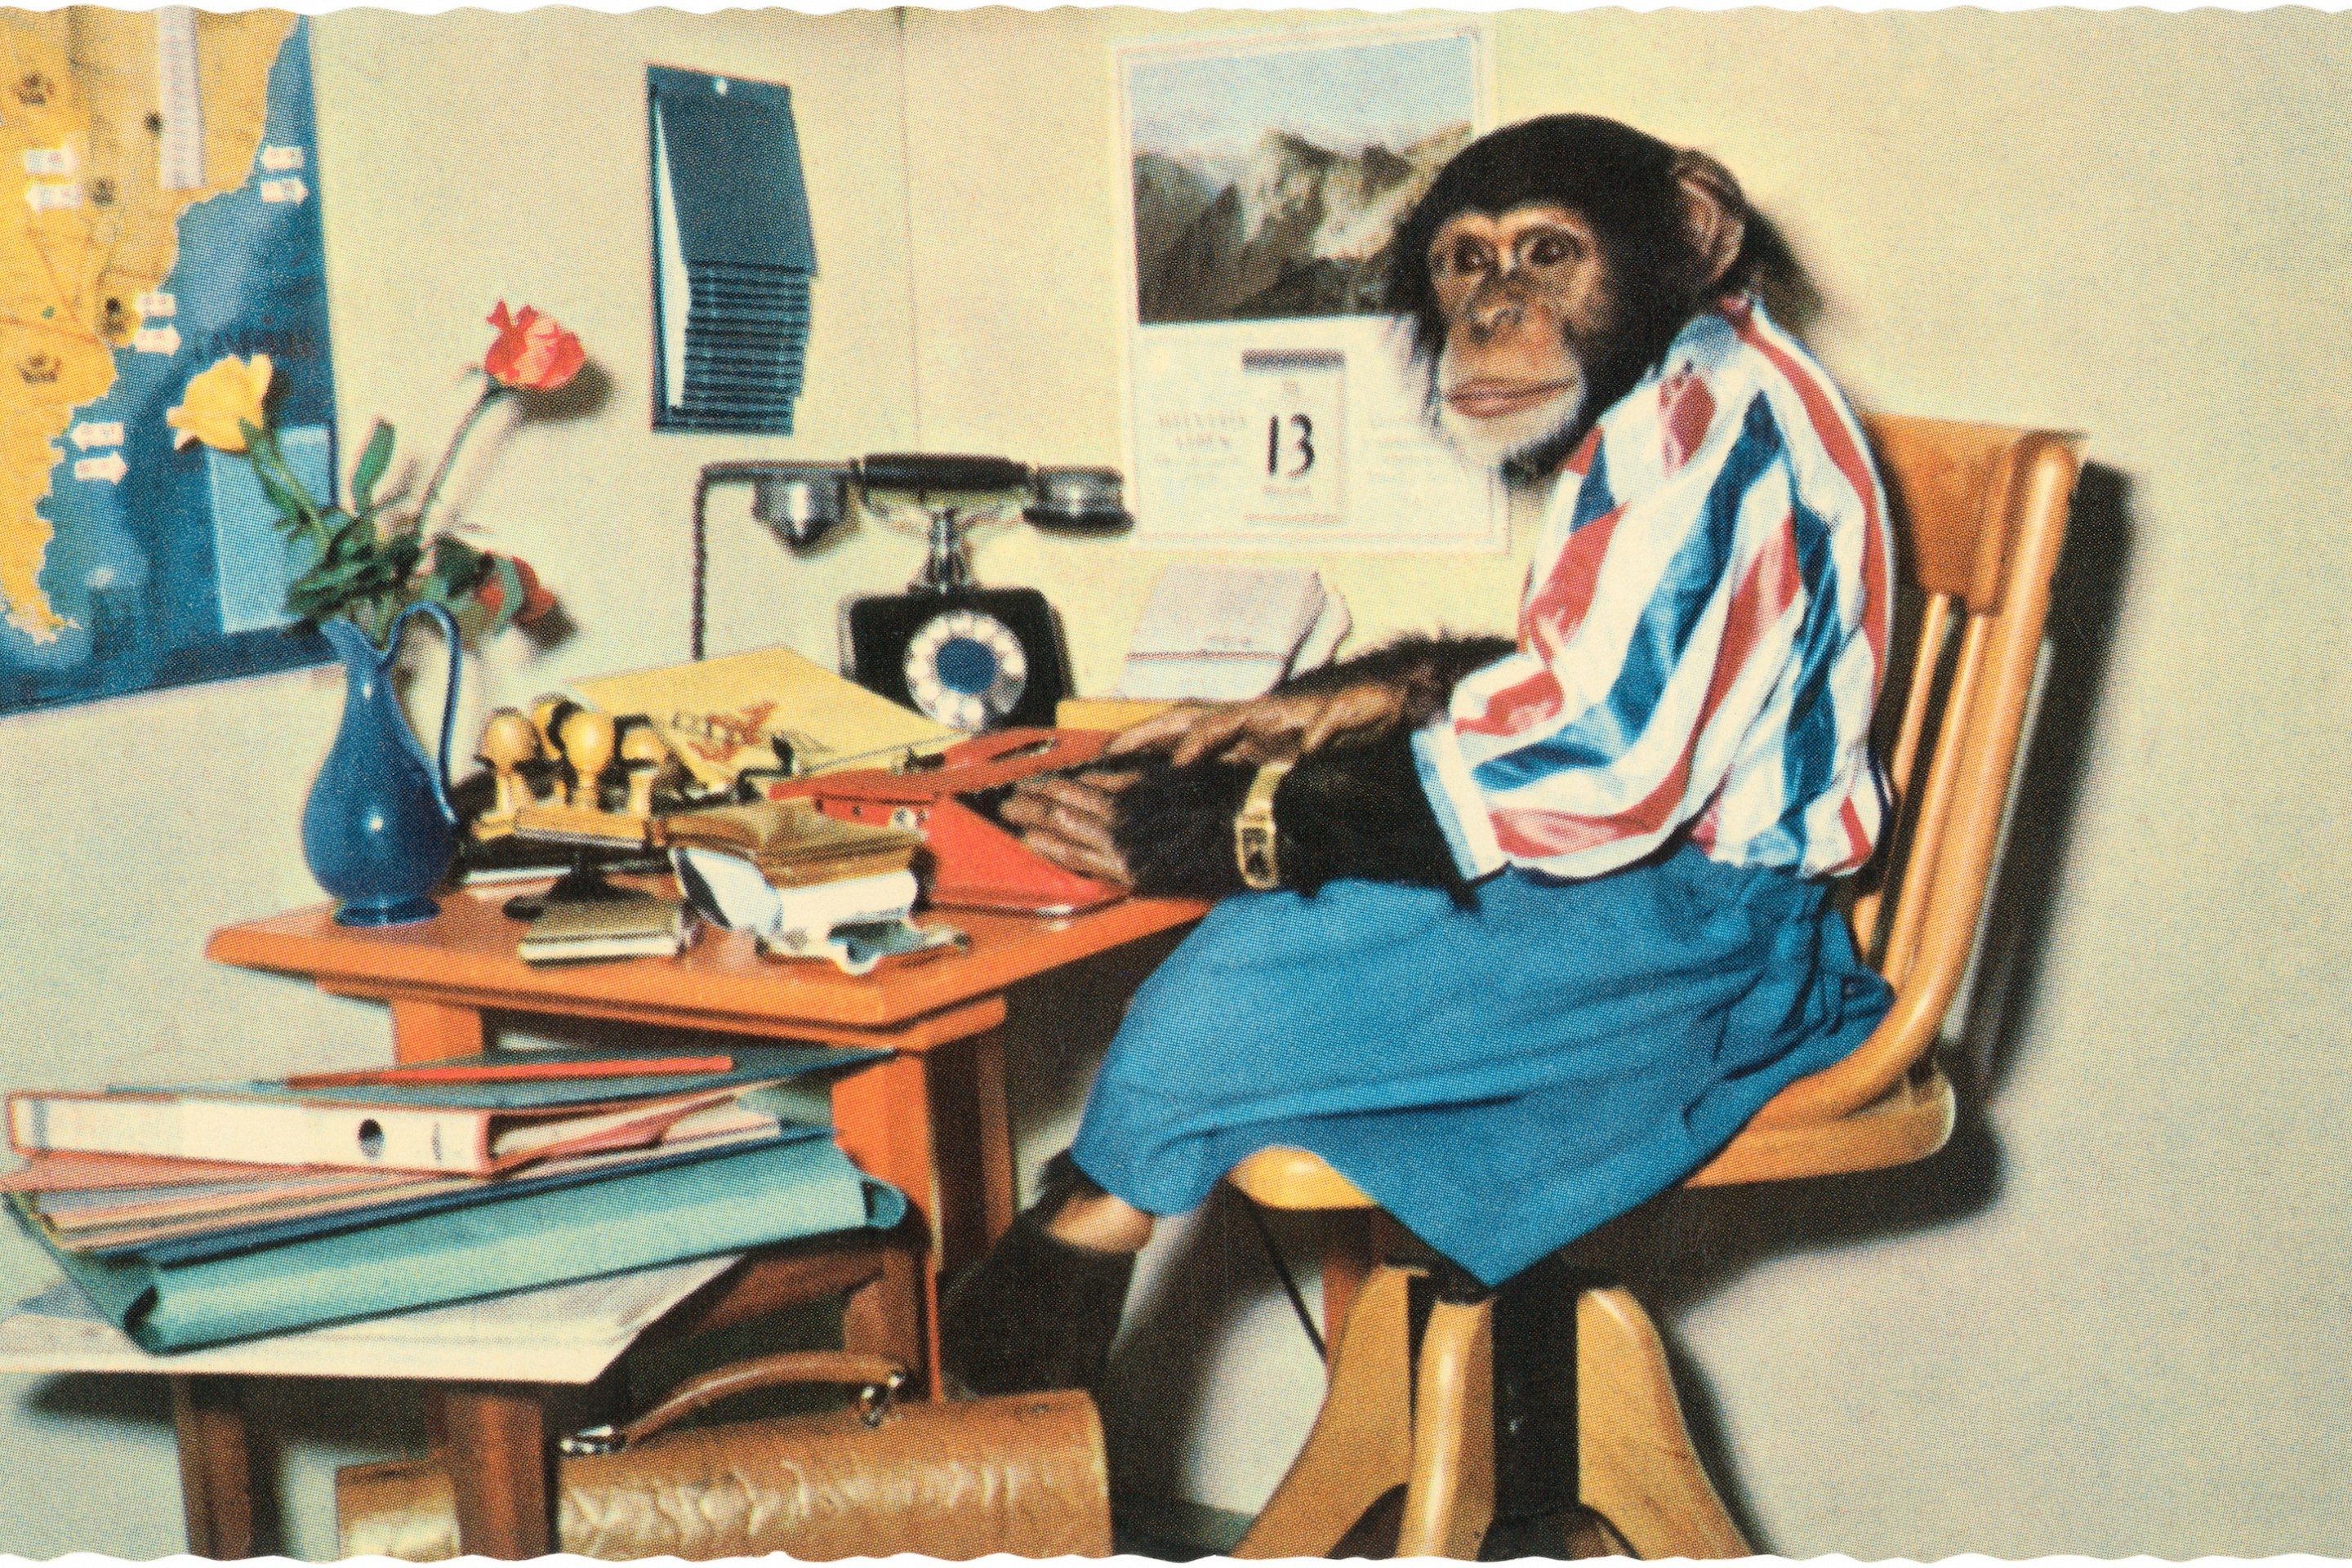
{"x": 1523, "y": 296}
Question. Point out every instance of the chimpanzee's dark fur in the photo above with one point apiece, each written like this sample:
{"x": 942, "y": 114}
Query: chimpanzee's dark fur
{"x": 1353, "y": 809}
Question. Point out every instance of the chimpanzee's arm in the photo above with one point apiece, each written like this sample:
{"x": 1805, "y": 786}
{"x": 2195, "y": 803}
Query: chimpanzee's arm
{"x": 1351, "y": 809}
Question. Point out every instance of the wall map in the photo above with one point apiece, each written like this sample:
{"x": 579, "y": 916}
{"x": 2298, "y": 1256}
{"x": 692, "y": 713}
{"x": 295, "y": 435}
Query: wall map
{"x": 158, "y": 209}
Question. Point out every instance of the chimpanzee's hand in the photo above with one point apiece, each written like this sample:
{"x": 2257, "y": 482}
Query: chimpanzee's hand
{"x": 1068, "y": 818}
{"x": 1281, "y": 727}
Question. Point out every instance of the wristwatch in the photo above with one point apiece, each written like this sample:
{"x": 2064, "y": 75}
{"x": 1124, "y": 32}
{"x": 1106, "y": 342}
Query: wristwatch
{"x": 1253, "y": 839}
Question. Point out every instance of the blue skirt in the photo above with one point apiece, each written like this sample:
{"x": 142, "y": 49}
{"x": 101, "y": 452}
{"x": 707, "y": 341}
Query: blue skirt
{"x": 1501, "y": 1079}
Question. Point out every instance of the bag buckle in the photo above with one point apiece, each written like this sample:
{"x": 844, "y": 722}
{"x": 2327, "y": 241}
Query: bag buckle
{"x": 588, "y": 1441}
{"x": 874, "y": 1399}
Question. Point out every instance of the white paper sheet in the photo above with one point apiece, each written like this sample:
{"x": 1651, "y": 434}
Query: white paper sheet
{"x": 563, "y": 1333}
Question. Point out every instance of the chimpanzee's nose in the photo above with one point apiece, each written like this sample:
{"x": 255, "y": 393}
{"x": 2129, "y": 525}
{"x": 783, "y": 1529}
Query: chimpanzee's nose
{"x": 1494, "y": 310}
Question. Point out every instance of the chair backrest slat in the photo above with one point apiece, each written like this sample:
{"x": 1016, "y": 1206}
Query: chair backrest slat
{"x": 1980, "y": 512}
{"x": 1927, "y": 666}
{"x": 1916, "y": 878}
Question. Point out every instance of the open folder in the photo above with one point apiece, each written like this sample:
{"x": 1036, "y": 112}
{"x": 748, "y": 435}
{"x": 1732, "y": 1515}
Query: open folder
{"x": 721, "y": 716}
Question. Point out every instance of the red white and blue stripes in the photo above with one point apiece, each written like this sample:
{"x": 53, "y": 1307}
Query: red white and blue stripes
{"x": 1703, "y": 634}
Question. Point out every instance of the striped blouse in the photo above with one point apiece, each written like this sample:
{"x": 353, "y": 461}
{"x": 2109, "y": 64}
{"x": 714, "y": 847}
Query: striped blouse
{"x": 1703, "y": 634}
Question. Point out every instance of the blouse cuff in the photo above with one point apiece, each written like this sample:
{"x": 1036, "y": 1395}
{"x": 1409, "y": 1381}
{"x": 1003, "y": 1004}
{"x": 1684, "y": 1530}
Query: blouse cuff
{"x": 1455, "y": 800}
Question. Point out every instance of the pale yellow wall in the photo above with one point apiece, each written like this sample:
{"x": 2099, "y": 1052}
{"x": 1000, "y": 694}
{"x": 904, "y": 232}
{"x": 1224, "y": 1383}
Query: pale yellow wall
{"x": 2129, "y": 1340}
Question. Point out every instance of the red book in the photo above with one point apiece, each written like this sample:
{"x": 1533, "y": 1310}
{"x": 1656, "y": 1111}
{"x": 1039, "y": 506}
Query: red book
{"x": 511, "y": 1072}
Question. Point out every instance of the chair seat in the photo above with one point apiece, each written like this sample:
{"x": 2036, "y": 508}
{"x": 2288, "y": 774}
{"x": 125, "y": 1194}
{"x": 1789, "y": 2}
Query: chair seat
{"x": 1910, "y": 1122}
{"x": 1294, "y": 1179}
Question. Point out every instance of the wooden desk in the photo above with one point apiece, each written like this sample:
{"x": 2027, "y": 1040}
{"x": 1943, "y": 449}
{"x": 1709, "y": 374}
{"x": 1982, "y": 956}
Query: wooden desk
{"x": 930, "y": 1120}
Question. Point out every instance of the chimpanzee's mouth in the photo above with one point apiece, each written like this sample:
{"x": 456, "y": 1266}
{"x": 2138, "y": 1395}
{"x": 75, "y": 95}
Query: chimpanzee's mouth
{"x": 1491, "y": 397}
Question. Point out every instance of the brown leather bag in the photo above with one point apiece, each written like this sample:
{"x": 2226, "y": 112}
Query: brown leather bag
{"x": 1022, "y": 1473}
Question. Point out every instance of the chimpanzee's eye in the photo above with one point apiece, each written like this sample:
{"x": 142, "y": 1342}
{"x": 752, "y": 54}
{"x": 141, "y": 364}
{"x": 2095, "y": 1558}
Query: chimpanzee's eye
{"x": 1464, "y": 257}
{"x": 1550, "y": 248}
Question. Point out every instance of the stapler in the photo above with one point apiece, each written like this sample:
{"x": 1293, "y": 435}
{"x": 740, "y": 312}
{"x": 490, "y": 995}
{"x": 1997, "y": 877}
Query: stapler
{"x": 976, "y": 863}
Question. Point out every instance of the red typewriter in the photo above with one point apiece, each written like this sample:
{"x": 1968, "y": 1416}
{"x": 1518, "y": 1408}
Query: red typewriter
{"x": 976, "y": 862}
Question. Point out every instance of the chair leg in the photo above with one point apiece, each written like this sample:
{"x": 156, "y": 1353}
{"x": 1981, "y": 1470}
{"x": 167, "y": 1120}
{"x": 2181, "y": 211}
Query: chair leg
{"x": 1450, "y": 1501}
{"x": 1635, "y": 1464}
{"x": 1361, "y": 1444}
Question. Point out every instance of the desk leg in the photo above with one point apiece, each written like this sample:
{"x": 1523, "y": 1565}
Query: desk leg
{"x": 215, "y": 1466}
{"x": 994, "y": 1123}
{"x": 889, "y": 1314}
{"x": 498, "y": 1460}
{"x": 882, "y": 1117}
{"x": 974, "y": 1141}
{"x": 434, "y": 1031}
{"x": 883, "y": 1120}
{"x": 935, "y": 1127}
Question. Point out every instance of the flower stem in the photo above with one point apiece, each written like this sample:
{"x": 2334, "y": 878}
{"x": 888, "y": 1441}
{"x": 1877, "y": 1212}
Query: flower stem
{"x": 265, "y": 450}
{"x": 491, "y": 391}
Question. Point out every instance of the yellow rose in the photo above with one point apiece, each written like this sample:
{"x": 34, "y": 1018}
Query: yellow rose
{"x": 217, "y": 400}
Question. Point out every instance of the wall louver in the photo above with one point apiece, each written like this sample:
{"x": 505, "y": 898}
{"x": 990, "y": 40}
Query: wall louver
{"x": 732, "y": 255}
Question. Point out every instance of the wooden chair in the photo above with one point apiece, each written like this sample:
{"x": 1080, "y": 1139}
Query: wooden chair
{"x": 1979, "y": 511}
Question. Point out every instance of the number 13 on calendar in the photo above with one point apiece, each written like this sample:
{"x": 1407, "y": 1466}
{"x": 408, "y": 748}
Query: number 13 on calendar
{"x": 1297, "y": 409}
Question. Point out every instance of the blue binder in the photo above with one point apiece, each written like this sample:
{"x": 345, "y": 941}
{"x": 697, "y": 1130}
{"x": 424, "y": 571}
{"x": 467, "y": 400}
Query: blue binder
{"x": 510, "y": 1241}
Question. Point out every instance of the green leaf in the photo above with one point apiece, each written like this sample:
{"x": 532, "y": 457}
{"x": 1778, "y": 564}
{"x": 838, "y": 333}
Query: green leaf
{"x": 402, "y": 552}
{"x": 457, "y": 566}
{"x": 353, "y": 537}
{"x": 316, "y": 598}
{"x": 330, "y": 578}
{"x": 371, "y": 464}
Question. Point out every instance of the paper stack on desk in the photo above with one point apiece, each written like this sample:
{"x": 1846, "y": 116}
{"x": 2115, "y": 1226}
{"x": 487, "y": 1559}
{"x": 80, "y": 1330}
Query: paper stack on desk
{"x": 1227, "y": 633}
{"x": 336, "y": 1209}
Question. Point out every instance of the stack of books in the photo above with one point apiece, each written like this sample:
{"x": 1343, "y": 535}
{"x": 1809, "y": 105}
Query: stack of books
{"x": 804, "y": 884}
{"x": 629, "y": 926}
{"x": 197, "y": 1216}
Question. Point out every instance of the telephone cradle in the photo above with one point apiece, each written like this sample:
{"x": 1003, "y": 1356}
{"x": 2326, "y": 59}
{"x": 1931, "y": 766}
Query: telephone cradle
{"x": 975, "y": 862}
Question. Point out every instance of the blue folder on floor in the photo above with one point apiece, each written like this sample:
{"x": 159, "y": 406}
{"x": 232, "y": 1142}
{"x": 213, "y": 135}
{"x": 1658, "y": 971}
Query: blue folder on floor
{"x": 663, "y": 1213}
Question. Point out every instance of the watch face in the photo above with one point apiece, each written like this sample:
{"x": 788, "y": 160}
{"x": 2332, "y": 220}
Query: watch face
{"x": 966, "y": 669}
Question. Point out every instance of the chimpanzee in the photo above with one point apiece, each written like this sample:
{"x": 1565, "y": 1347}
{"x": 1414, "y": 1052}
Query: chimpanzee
{"x": 1538, "y": 921}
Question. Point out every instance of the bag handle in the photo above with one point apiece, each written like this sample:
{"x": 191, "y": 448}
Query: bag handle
{"x": 878, "y": 1378}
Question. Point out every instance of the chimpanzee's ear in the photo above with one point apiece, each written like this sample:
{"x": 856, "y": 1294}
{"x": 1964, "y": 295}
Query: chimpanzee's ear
{"x": 1715, "y": 215}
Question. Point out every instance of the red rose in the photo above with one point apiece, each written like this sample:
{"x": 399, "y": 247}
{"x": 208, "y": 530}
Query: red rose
{"x": 531, "y": 351}
{"x": 537, "y": 600}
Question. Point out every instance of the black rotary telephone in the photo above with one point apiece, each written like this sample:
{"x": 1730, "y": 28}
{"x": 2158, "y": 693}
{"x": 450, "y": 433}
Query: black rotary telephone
{"x": 971, "y": 658}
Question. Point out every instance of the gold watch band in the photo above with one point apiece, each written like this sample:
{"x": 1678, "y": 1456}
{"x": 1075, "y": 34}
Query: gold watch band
{"x": 1253, "y": 841}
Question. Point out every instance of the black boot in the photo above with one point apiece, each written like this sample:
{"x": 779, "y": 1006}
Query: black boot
{"x": 1037, "y": 1312}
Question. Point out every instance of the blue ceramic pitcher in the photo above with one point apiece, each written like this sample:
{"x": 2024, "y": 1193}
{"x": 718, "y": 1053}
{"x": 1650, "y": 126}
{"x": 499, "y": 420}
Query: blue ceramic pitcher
{"x": 378, "y": 829}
